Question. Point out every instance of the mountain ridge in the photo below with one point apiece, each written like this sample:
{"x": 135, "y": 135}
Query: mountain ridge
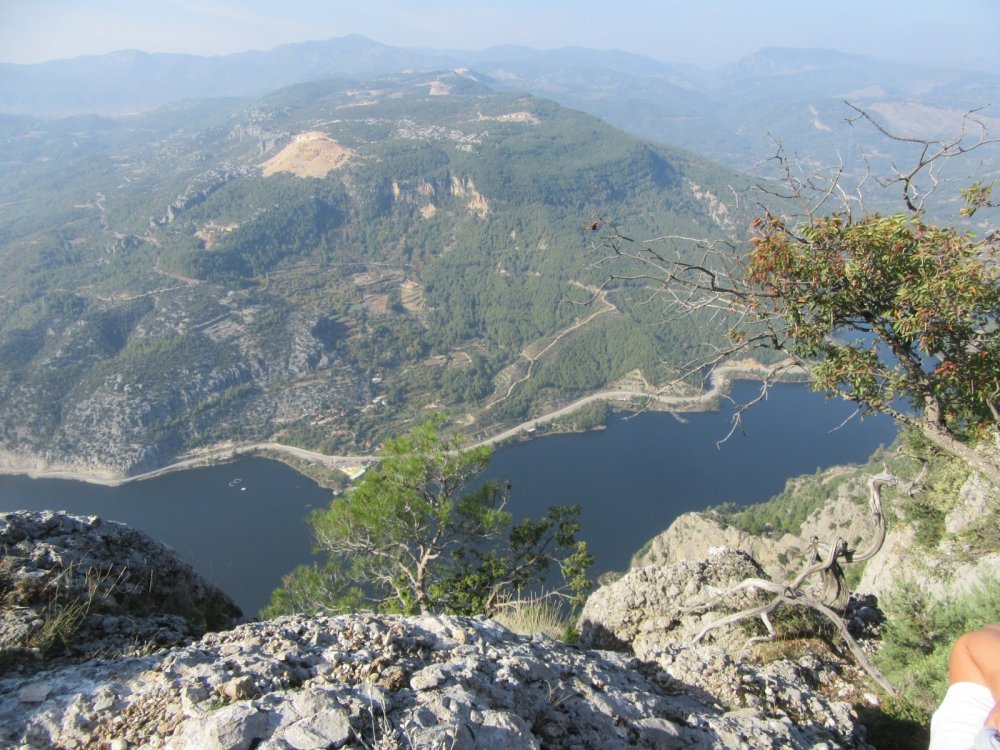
{"x": 710, "y": 112}
{"x": 415, "y": 272}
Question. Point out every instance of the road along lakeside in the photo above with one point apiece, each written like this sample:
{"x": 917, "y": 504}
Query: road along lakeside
{"x": 721, "y": 380}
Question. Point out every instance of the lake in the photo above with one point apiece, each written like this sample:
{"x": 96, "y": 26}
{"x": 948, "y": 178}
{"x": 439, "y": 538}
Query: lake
{"x": 631, "y": 481}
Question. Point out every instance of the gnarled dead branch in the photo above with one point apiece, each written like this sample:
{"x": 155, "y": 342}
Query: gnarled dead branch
{"x": 831, "y": 599}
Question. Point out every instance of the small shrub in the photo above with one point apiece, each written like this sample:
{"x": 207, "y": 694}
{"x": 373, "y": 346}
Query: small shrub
{"x": 794, "y": 624}
{"x": 608, "y": 577}
{"x": 981, "y": 538}
{"x": 62, "y": 609}
{"x": 6, "y": 580}
{"x": 61, "y": 620}
{"x": 854, "y": 573}
{"x": 926, "y": 511}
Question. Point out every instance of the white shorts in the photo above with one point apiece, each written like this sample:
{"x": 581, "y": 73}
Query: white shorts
{"x": 960, "y": 716}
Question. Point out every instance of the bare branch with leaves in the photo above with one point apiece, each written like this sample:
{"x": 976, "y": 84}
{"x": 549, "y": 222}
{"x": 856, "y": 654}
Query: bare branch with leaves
{"x": 893, "y": 313}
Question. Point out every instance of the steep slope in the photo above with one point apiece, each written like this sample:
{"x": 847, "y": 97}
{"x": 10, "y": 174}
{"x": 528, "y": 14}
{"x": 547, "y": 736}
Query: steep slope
{"x": 936, "y": 576}
{"x": 319, "y": 264}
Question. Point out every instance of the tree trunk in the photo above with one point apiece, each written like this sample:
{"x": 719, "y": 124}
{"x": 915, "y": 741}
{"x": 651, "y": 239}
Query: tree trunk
{"x": 940, "y": 437}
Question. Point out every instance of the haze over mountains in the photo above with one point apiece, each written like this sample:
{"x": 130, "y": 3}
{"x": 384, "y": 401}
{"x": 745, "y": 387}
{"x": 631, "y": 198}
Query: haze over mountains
{"x": 795, "y": 94}
{"x": 242, "y": 247}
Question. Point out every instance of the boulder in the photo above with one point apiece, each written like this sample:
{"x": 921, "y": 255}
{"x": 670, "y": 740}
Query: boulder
{"x": 77, "y": 586}
{"x": 650, "y": 604}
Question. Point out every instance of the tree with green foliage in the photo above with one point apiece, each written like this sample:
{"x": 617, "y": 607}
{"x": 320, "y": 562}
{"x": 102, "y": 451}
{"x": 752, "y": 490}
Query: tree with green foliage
{"x": 891, "y": 310}
{"x": 411, "y": 537}
{"x": 894, "y": 313}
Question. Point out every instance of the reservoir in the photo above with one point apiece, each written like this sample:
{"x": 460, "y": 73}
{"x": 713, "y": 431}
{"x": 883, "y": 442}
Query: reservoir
{"x": 242, "y": 524}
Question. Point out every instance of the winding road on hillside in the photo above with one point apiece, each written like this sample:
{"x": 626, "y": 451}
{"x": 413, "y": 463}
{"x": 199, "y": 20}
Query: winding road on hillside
{"x": 354, "y": 465}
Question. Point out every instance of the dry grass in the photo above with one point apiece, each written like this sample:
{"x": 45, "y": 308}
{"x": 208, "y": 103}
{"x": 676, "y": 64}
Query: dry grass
{"x": 62, "y": 608}
{"x": 537, "y": 615}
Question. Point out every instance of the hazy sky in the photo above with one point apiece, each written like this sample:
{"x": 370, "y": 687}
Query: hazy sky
{"x": 704, "y": 32}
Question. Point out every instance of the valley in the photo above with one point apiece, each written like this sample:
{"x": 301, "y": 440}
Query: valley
{"x": 322, "y": 265}
{"x": 233, "y": 281}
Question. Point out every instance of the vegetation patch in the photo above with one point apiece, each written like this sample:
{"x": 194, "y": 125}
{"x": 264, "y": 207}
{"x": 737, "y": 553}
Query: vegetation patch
{"x": 920, "y": 632}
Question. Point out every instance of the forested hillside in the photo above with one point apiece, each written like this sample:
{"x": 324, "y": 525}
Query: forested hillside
{"x": 322, "y": 264}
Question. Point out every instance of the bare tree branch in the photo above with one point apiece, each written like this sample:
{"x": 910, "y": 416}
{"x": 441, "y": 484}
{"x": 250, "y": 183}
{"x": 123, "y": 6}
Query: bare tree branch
{"x": 932, "y": 153}
{"x": 833, "y": 593}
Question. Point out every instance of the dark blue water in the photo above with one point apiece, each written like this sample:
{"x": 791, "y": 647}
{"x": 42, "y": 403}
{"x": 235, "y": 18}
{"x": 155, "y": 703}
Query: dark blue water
{"x": 634, "y": 478}
{"x": 243, "y": 540}
{"x": 631, "y": 480}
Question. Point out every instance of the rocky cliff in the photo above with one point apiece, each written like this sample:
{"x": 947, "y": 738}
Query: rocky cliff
{"x": 366, "y": 681}
{"x": 692, "y": 535}
{"x": 949, "y": 566}
{"x": 73, "y": 587}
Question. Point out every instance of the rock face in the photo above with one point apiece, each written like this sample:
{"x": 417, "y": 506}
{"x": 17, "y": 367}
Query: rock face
{"x": 646, "y": 611}
{"x": 692, "y": 535}
{"x": 649, "y": 602}
{"x": 388, "y": 682}
{"x": 951, "y": 570}
{"x": 75, "y": 586}
{"x": 364, "y": 681}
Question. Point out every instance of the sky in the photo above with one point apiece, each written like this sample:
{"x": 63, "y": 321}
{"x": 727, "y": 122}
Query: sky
{"x": 707, "y": 33}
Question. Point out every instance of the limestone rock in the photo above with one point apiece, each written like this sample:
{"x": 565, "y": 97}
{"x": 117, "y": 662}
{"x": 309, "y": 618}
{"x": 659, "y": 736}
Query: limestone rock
{"x": 482, "y": 687}
{"x": 646, "y": 612}
{"x": 649, "y": 602}
{"x": 81, "y": 585}
{"x": 363, "y": 681}
{"x": 947, "y": 571}
{"x": 692, "y": 535}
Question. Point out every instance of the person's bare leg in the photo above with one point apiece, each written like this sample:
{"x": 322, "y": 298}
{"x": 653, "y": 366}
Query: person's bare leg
{"x": 975, "y": 657}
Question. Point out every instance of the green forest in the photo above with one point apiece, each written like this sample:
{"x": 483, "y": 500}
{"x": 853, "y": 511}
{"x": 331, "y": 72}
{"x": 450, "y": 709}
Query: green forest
{"x": 453, "y": 240}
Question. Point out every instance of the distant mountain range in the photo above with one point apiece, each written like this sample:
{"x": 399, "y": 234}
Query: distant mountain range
{"x": 726, "y": 114}
{"x": 312, "y": 245}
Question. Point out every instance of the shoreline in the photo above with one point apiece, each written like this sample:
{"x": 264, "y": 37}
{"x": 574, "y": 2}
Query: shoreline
{"x": 208, "y": 456}
{"x": 721, "y": 382}
{"x": 353, "y": 466}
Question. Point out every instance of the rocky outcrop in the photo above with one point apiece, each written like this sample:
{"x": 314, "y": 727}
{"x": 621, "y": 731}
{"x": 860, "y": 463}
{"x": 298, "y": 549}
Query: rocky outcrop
{"x": 652, "y": 602}
{"x": 365, "y": 681}
{"x": 649, "y": 612}
{"x": 952, "y": 569}
{"x": 74, "y": 587}
{"x": 692, "y": 535}
{"x": 389, "y": 682}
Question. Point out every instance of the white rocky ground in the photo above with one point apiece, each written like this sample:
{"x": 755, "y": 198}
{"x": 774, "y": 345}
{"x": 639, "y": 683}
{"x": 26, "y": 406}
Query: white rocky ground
{"x": 366, "y": 681}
